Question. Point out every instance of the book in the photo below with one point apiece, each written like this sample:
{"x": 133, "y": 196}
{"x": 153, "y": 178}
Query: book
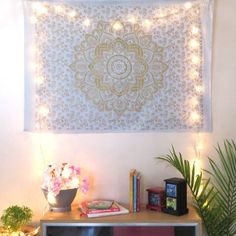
{"x": 122, "y": 210}
{"x": 131, "y": 192}
{"x": 135, "y": 191}
{"x": 138, "y": 191}
{"x": 98, "y": 206}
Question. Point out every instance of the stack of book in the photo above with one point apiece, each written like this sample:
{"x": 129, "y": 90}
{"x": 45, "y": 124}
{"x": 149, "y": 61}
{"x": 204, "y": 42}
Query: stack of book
{"x": 98, "y": 208}
{"x": 134, "y": 190}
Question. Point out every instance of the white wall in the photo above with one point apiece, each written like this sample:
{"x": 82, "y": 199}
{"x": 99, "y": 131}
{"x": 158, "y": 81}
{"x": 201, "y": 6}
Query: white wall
{"x": 107, "y": 158}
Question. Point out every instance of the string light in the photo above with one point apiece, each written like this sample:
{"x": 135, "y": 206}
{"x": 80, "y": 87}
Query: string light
{"x": 194, "y": 102}
{"x": 72, "y": 14}
{"x": 43, "y": 110}
{"x": 188, "y": 5}
{"x": 39, "y": 8}
{"x": 195, "y": 30}
{"x": 195, "y": 60}
{"x": 40, "y": 80}
{"x": 86, "y": 22}
{"x": 59, "y": 9}
{"x": 199, "y": 89}
{"x": 194, "y": 43}
{"x": 195, "y": 116}
{"x": 194, "y": 74}
{"x": 117, "y": 25}
{"x": 147, "y": 23}
{"x": 132, "y": 19}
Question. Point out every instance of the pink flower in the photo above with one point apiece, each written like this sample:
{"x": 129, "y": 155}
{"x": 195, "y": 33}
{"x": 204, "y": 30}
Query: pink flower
{"x": 63, "y": 177}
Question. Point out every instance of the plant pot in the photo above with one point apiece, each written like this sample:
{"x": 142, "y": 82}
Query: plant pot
{"x": 62, "y": 201}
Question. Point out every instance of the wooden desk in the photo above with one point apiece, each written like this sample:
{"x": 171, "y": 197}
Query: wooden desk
{"x": 144, "y": 218}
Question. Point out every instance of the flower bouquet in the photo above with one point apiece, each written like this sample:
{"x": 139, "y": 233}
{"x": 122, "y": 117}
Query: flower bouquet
{"x": 60, "y": 185}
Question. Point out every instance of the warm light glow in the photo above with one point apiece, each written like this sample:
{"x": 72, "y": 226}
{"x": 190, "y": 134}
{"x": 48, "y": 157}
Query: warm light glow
{"x": 199, "y": 146}
{"x": 59, "y": 9}
{"x": 194, "y": 43}
{"x": 66, "y": 173}
{"x": 43, "y": 110}
{"x": 195, "y": 30}
{"x": 117, "y": 25}
{"x": 195, "y": 116}
{"x": 197, "y": 166}
{"x": 132, "y": 19}
{"x": 194, "y": 74}
{"x": 199, "y": 89}
{"x": 195, "y": 60}
{"x": 40, "y": 80}
{"x": 51, "y": 198}
{"x": 86, "y": 22}
{"x": 39, "y": 8}
{"x": 74, "y": 182}
{"x": 188, "y": 5}
{"x": 194, "y": 102}
{"x": 72, "y": 14}
{"x": 33, "y": 20}
{"x": 147, "y": 23}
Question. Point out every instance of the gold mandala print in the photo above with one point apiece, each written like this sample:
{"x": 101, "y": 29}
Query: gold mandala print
{"x": 119, "y": 70}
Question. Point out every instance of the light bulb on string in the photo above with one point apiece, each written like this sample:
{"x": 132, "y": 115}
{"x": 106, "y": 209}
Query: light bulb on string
{"x": 39, "y": 8}
{"x": 132, "y": 19}
{"x": 43, "y": 110}
{"x": 194, "y": 43}
{"x": 194, "y": 74}
{"x": 195, "y": 116}
{"x": 72, "y": 14}
{"x": 40, "y": 80}
{"x": 195, "y": 30}
{"x": 199, "y": 89}
{"x": 59, "y": 9}
{"x": 117, "y": 25}
{"x": 195, "y": 60}
{"x": 147, "y": 24}
{"x": 86, "y": 22}
{"x": 188, "y": 5}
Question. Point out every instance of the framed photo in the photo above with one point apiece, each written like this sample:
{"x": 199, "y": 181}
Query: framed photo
{"x": 171, "y": 190}
{"x": 171, "y": 203}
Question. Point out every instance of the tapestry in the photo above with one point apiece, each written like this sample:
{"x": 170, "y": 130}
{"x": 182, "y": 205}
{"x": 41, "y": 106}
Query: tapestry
{"x": 118, "y": 66}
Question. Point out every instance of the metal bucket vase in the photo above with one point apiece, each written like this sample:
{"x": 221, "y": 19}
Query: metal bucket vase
{"x": 62, "y": 201}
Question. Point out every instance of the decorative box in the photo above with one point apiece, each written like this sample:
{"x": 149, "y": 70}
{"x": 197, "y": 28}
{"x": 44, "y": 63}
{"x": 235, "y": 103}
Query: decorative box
{"x": 155, "y": 198}
{"x": 176, "y": 196}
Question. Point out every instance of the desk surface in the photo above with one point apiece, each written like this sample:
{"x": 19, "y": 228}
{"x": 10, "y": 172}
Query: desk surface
{"x": 144, "y": 216}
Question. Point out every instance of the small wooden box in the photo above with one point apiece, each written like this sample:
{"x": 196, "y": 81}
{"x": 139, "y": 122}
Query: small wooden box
{"x": 155, "y": 198}
{"x": 176, "y": 196}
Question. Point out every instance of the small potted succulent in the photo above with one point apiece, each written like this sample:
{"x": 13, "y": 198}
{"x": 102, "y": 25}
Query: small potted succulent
{"x": 14, "y": 218}
{"x": 60, "y": 185}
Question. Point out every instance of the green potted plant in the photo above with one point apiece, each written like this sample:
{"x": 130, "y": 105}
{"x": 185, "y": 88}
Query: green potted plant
{"x": 15, "y": 217}
{"x": 214, "y": 198}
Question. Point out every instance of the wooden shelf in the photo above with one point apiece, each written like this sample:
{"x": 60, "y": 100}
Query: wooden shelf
{"x": 143, "y": 218}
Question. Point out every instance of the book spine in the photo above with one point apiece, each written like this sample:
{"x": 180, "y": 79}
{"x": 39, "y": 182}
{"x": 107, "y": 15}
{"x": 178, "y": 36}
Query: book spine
{"x": 138, "y": 193}
{"x": 135, "y": 193}
{"x": 131, "y": 192}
